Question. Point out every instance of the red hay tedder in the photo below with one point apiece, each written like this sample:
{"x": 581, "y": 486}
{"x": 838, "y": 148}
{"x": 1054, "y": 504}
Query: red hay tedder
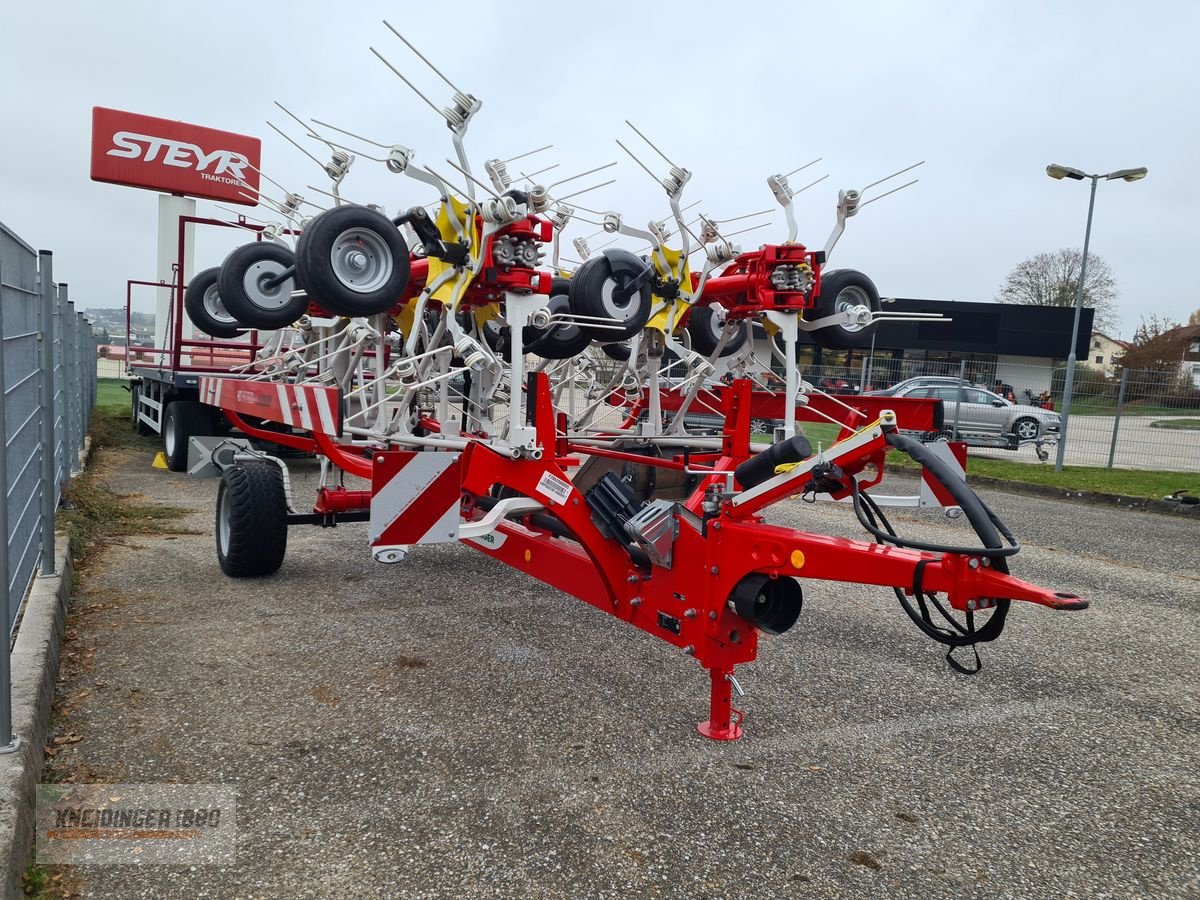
{"x": 546, "y": 415}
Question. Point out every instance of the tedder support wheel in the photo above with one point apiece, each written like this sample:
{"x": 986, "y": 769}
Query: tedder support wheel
{"x": 202, "y": 302}
{"x": 614, "y": 285}
{"x": 563, "y": 339}
{"x": 841, "y": 290}
{"x": 183, "y": 419}
{"x": 705, "y": 325}
{"x": 251, "y": 520}
{"x": 248, "y": 289}
{"x": 353, "y": 261}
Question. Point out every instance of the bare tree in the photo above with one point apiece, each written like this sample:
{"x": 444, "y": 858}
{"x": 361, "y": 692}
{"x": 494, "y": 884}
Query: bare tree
{"x": 1194, "y": 318}
{"x": 1158, "y": 345}
{"x": 1051, "y": 279}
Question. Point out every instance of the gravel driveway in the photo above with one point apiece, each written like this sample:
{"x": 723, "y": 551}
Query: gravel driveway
{"x": 451, "y": 728}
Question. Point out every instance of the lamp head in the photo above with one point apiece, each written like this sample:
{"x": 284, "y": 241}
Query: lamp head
{"x": 1054, "y": 170}
{"x": 1128, "y": 174}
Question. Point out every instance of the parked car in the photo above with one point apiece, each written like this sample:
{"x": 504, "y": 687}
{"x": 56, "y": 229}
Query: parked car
{"x": 918, "y": 381}
{"x": 982, "y": 412}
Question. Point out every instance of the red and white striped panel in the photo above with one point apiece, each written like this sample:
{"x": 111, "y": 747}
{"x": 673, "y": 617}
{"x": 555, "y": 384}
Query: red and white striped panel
{"x": 414, "y": 498}
{"x": 955, "y": 455}
{"x": 308, "y": 406}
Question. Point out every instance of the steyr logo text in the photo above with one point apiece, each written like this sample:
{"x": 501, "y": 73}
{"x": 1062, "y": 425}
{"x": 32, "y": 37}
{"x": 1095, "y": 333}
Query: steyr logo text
{"x": 227, "y": 166}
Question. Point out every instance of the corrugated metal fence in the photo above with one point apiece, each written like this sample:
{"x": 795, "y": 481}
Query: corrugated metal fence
{"x": 48, "y": 389}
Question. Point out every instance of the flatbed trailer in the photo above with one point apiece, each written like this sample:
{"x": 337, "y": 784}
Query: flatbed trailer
{"x": 165, "y": 389}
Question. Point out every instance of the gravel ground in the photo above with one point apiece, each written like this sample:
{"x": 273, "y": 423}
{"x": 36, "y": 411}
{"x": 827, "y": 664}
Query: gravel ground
{"x": 451, "y": 728}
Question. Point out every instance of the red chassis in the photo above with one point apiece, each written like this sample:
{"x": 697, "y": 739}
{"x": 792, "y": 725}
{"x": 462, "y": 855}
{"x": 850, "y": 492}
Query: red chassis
{"x": 725, "y": 563}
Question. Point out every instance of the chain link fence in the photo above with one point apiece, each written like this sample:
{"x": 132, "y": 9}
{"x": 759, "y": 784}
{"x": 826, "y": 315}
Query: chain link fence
{"x": 48, "y": 390}
{"x": 1123, "y": 418}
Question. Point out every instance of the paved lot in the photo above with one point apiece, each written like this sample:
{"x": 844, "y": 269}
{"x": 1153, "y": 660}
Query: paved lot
{"x": 450, "y": 728}
{"x": 1138, "y": 445}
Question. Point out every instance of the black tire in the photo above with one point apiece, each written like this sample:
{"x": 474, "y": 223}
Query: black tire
{"x": 618, "y": 351}
{"x": 181, "y": 420}
{"x": 135, "y": 395}
{"x": 560, "y": 341}
{"x": 202, "y": 302}
{"x": 251, "y": 526}
{"x": 1026, "y": 428}
{"x": 841, "y": 289}
{"x": 353, "y": 261}
{"x": 615, "y": 285}
{"x": 244, "y": 286}
{"x": 705, "y": 325}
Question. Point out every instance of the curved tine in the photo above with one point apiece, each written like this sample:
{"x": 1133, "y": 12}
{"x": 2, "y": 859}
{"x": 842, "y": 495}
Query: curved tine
{"x": 893, "y": 175}
{"x": 422, "y": 56}
{"x": 411, "y": 86}
{"x": 651, "y": 143}
{"x": 288, "y": 138}
{"x": 585, "y": 190}
{"x": 304, "y": 125}
{"x": 803, "y": 167}
{"x": 357, "y": 137}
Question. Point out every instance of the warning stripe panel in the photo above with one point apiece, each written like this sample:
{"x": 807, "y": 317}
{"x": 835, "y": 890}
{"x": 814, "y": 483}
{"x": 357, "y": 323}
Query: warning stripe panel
{"x": 308, "y": 406}
{"x": 414, "y": 498}
{"x": 955, "y": 455}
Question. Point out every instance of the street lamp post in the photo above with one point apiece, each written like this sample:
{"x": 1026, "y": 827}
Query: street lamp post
{"x": 1059, "y": 172}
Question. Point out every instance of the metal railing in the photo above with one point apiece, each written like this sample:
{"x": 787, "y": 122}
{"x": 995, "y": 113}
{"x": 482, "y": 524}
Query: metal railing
{"x": 47, "y": 392}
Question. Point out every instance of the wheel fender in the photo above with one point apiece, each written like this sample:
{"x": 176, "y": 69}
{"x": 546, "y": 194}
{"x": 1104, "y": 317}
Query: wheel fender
{"x": 630, "y": 265}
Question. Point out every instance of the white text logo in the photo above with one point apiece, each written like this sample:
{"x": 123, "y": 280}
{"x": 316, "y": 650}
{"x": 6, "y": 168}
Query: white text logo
{"x": 227, "y": 166}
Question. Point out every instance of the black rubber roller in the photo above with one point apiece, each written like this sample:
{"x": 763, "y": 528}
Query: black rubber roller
{"x": 760, "y": 467}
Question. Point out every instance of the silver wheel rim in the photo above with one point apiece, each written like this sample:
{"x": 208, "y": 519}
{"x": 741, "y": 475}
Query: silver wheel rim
{"x": 847, "y": 299}
{"x": 622, "y": 312}
{"x": 361, "y": 260}
{"x": 257, "y": 285}
{"x": 215, "y": 308}
{"x": 223, "y": 526}
{"x": 716, "y": 321}
{"x": 169, "y": 436}
{"x": 1026, "y": 430}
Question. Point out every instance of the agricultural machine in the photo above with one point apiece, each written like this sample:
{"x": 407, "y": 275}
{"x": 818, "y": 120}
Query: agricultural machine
{"x": 476, "y": 386}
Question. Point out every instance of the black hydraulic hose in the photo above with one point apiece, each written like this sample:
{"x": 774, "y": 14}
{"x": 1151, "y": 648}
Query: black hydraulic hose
{"x": 985, "y": 522}
{"x": 987, "y": 526}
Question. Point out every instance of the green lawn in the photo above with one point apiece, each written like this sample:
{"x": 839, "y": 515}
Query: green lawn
{"x": 112, "y": 392}
{"x": 1106, "y": 406}
{"x": 1177, "y": 423}
{"x": 1129, "y": 482}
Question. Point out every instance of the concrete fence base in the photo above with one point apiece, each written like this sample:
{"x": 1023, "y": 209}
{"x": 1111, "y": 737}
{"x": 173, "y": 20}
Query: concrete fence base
{"x": 35, "y": 671}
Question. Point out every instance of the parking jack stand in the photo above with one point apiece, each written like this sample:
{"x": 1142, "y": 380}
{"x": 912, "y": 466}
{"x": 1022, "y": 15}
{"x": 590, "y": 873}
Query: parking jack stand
{"x": 720, "y": 725}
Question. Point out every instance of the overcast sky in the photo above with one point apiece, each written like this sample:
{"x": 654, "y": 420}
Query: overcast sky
{"x": 986, "y": 94}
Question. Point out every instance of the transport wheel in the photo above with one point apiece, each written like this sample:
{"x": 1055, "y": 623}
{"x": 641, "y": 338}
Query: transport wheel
{"x": 183, "y": 419}
{"x": 615, "y": 285}
{"x": 841, "y": 290}
{"x": 762, "y": 426}
{"x": 562, "y": 340}
{"x": 1026, "y": 429}
{"x": 202, "y": 301}
{"x": 251, "y": 520}
{"x": 247, "y": 289}
{"x": 353, "y": 261}
{"x": 705, "y": 325}
{"x": 135, "y": 398}
{"x": 618, "y": 351}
